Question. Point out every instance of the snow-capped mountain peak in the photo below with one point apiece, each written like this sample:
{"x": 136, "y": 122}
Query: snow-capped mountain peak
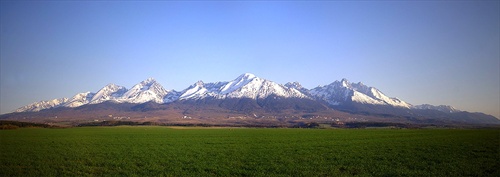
{"x": 345, "y": 83}
{"x": 246, "y": 85}
{"x": 197, "y": 90}
{"x": 237, "y": 83}
{"x": 79, "y": 99}
{"x": 442, "y": 108}
{"x": 148, "y": 81}
{"x": 147, "y": 90}
{"x": 295, "y": 85}
{"x": 341, "y": 91}
{"x": 37, "y": 106}
{"x": 109, "y": 92}
{"x": 247, "y": 94}
{"x": 200, "y": 83}
{"x": 250, "y": 86}
{"x": 246, "y": 76}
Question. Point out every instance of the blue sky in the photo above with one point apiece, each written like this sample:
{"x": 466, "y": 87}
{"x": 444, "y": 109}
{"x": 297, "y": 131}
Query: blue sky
{"x": 444, "y": 52}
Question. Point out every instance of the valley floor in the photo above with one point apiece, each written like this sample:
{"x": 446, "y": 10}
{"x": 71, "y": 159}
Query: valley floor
{"x": 164, "y": 151}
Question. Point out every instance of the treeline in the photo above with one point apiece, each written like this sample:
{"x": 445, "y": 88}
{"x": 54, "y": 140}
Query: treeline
{"x": 9, "y": 125}
{"x": 116, "y": 123}
{"x": 306, "y": 125}
{"x": 376, "y": 124}
{"x": 131, "y": 123}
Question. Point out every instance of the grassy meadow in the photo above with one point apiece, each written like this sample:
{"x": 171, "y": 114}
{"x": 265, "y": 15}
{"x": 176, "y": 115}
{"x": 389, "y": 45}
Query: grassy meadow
{"x": 163, "y": 151}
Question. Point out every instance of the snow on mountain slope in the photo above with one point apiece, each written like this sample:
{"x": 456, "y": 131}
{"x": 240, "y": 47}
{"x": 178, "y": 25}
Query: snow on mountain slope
{"x": 79, "y": 100}
{"x": 334, "y": 93}
{"x": 442, "y": 108}
{"x": 249, "y": 86}
{"x": 341, "y": 91}
{"x": 378, "y": 96}
{"x": 145, "y": 91}
{"x": 237, "y": 83}
{"x": 196, "y": 90}
{"x": 171, "y": 96}
{"x": 365, "y": 99}
{"x": 244, "y": 86}
{"x": 201, "y": 90}
{"x": 109, "y": 92}
{"x": 297, "y": 86}
{"x": 37, "y": 106}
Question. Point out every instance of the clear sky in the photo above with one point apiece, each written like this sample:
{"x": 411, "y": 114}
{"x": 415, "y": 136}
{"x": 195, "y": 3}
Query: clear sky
{"x": 443, "y": 52}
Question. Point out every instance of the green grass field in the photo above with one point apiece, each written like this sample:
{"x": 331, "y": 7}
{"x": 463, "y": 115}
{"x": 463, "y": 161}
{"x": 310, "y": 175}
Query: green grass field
{"x": 162, "y": 151}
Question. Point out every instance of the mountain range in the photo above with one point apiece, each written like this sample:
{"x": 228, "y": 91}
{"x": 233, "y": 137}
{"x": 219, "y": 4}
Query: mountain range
{"x": 248, "y": 95}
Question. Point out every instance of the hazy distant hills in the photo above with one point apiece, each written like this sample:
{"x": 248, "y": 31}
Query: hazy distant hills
{"x": 246, "y": 99}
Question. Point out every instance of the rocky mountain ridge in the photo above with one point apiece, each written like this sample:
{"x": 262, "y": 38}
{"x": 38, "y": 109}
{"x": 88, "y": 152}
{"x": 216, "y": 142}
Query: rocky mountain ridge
{"x": 245, "y": 86}
{"x": 248, "y": 94}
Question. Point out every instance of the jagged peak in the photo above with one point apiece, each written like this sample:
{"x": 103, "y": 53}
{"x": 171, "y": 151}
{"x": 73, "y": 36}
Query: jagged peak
{"x": 82, "y": 95}
{"x": 345, "y": 82}
{"x": 112, "y": 87}
{"x": 294, "y": 84}
{"x": 246, "y": 83}
{"x": 147, "y": 84}
{"x": 246, "y": 76}
{"x": 40, "y": 105}
{"x": 444, "y": 108}
{"x": 148, "y": 81}
{"x": 199, "y": 83}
